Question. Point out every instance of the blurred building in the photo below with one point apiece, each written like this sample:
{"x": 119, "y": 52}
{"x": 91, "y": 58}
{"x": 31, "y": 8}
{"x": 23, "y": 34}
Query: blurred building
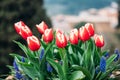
{"x": 104, "y": 20}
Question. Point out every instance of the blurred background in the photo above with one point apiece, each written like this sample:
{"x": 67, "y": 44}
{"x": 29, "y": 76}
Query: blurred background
{"x": 63, "y": 14}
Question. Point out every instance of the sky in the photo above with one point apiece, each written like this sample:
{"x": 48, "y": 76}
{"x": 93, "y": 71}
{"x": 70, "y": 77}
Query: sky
{"x": 73, "y": 7}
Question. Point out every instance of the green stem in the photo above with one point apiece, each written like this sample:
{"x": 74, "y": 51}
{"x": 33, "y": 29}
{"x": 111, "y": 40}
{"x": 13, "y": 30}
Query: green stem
{"x": 63, "y": 56}
{"x": 97, "y": 77}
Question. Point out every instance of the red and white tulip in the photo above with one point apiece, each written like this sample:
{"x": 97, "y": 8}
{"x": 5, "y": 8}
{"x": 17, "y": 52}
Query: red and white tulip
{"x": 99, "y": 40}
{"x": 42, "y": 27}
{"x": 18, "y": 26}
{"x": 48, "y": 35}
{"x": 33, "y": 43}
{"x": 73, "y": 37}
{"x": 90, "y": 29}
{"x": 83, "y": 34}
{"x": 25, "y": 32}
{"x": 61, "y": 40}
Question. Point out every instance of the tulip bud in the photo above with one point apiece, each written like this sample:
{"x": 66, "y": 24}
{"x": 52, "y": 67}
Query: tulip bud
{"x": 42, "y": 27}
{"x": 48, "y": 35}
{"x": 61, "y": 40}
{"x": 73, "y": 36}
{"x": 90, "y": 29}
{"x": 33, "y": 43}
{"x": 18, "y": 26}
{"x": 83, "y": 34}
{"x": 99, "y": 41}
{"x": 25, "y": 32}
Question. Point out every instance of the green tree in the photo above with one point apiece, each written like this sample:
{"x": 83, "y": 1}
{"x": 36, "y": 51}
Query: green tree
{"x": 31, "y": 12}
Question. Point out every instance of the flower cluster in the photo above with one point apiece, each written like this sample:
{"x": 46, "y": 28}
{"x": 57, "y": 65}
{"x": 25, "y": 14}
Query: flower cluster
{"x": 59, "y": 57}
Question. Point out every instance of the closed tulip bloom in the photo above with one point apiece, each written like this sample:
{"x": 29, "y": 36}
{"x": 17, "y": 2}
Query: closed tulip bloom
{"x": 61, "y": 40}
{"x": 99, "y": 41}
{"x": 73, "y": 37}
{"x": 48, "y": 35}
{"x": 25, "y": 32}
{"x": 33, "y": 43}
{"x": 18, "y": 26}
{"x": 42, "y": 27}
{"x": 90, "y": 29}
{"x": 83, "y": 34}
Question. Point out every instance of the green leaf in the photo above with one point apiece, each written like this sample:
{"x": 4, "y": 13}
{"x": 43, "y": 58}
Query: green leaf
{"x": 43, "y": 43}
{"x": 42, "y": 63}
{"x": 77, "y": 75}
{"x": 57, "y": 67}
{"x": 96, "y": 57}
{"x": 87, "y": 74}
{"x": 77, "y": 48}
{"x": 110, "y": 60}
{"x": 29, "y": 70}
{"x": 74, "y": 58}
{"x": 15, "y": 55}
{"x": 25, "y": 49}
{"x": 55, "y": 79}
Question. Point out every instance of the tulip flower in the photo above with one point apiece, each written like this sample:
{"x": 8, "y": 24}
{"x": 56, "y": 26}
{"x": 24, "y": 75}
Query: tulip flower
{"x": 73, "y": 36}
{"x": 61, "y": 40}
{"x": 83, "y": 34}
{"x": 48, "y": 35}
{"x": 90, "y": 29}
{"x": 99, "y": 41}
{"x": 42, "y": 27}
{"x": 33, "y": 43}
{"x": 25, "y": 32}
{"x": 18, "y": 26}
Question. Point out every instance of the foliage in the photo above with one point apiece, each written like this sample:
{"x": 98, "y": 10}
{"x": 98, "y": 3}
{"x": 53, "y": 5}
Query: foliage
{"x": 61, "y": 59}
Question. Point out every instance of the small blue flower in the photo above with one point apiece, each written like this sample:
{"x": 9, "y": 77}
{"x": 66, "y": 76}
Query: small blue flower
{"x": 49, "y": 68}
{"x": 102, "y": 64}
{"x": 118, "y": 55}
{"x": 41, "y": 54}
{"x": 18, "y": 75}
{"x": 23, "y": 59}
{"x": 106, "y": 54}
{"x": 15, "y": 66}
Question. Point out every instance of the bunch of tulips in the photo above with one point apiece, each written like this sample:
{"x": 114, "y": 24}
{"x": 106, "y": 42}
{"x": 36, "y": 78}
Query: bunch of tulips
{"x": 55, "y": 56}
